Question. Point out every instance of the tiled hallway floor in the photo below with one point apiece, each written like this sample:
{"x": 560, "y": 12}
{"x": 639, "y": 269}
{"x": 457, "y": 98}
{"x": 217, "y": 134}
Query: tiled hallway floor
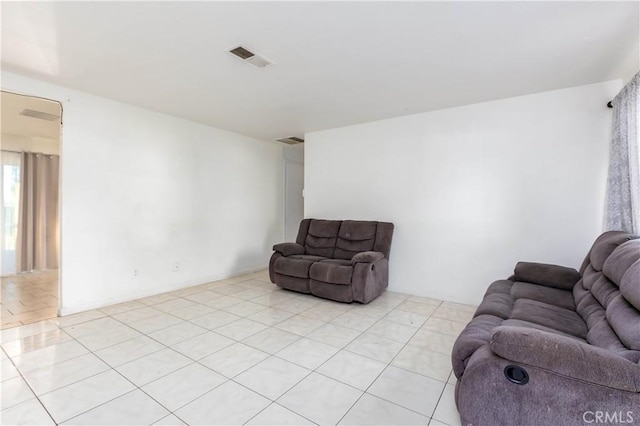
{"x": 236, "y": 351}
{"x": 29, "y": 298}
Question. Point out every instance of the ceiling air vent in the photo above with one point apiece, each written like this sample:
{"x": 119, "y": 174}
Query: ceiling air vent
{"x": 39, "y": 115}
{"x": 291, "y": 140}
{"x": 242, "y": 53}
{"x": 248, "y": 56}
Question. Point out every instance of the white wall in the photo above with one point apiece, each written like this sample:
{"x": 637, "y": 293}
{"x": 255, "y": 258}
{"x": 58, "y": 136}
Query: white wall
{"x": 294, "y": 152}
{"x": 471, "y": 189}
{"x": 142, "y": 190}
{"x": 31, "y": 144}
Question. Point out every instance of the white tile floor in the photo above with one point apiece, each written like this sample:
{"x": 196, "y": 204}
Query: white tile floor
{"x": 237, "y": 351}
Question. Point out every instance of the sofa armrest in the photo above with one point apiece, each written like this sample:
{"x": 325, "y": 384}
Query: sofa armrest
{"x": 548, "y": 275}
{"x": 287, "y": 249}
{"x": 565, "y": 356}
{"x": 366, "y": 257}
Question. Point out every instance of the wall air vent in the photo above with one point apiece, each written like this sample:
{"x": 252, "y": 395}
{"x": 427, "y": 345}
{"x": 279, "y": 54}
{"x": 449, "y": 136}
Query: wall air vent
{"x": 291, "y": 140}
{"x": 39, "y": 115}
{"x": 248, "y": 56}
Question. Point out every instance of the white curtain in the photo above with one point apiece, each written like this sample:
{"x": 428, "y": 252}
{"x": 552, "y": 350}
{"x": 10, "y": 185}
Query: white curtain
{"x": 10, "y": 196}
{"x": 622, "y": 211}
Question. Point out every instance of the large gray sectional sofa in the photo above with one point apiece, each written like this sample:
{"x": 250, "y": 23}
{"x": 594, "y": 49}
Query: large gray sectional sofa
{"x": 554, "y": 346}
{"x": 341, "y": 260}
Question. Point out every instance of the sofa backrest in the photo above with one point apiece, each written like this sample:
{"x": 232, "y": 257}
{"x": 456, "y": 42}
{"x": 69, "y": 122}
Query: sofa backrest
{"x": 318, "y": 236}
{"x": 608, "y": 295}
{"x": 342, "y": 239}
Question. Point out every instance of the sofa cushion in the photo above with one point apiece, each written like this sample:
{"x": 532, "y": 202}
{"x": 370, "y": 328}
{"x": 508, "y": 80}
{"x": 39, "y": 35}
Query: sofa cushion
{"x": 529, "y": 324}
{"x": 367, "y": 257}
{"x": 496, "y": 304}
{"x": 590, "y": 309}
{"x": 603, "y": 290}
{"x": 605, "y": 296}
{"x": 603, "y": 336}
{"x": 337, "y": 292}
{"x": 624, "y": 319}
{"x": 355, "y": 237}
{"x": 335, "y": 271}
{"x": 548, "y": 275}
{"x": 620, "y": 261}
{"x": 563, "y": 320}
{"x": 293, "y": 283}
{"x": 310, "y": 257}
{"x": 604, "y": 245}
{"x": 548, "y": 295}
{"x": 475, "y": 335}
{"x": 384, "y": 232}
{"x": 288, "y": 249}
{"x": 296, "y": 265}
{"x": 322, "y": 236}
{"x": 569, "y": 358}
{"x": 500, "y": 286}
{"x": 629, "y": 286}
{"x": 340, "y": 262}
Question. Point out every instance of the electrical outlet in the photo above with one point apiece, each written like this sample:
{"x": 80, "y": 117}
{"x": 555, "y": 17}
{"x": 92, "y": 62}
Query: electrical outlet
{"x": 135, "y": 274}
{"x": 176, "y": 267}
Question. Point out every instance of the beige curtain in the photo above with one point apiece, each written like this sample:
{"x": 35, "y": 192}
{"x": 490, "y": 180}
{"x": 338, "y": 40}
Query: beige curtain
{"x": 37, "y": 246}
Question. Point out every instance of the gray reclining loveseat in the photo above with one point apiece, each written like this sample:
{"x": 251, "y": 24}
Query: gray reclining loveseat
{"x": 554, "y": 346}
{"x": 341, "y": 260}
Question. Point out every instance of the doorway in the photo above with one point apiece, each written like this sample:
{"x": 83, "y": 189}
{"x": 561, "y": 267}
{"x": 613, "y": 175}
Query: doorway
{"x": 294, "y": 199}
{"x": 29, "y": 193}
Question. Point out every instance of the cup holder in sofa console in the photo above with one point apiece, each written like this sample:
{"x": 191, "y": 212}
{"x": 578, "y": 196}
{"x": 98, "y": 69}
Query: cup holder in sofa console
{"x": 516, "y": 374}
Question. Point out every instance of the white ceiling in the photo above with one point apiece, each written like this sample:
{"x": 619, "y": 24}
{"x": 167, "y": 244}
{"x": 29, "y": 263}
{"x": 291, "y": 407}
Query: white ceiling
{"x": 336, "y": 63}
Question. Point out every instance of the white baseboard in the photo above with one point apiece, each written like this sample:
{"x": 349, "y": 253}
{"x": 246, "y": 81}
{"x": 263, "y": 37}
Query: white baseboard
{"x": 70, "y": 310}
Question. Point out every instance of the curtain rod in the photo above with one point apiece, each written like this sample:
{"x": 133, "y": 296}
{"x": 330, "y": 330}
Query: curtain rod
{"x": 28, "y": 152}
